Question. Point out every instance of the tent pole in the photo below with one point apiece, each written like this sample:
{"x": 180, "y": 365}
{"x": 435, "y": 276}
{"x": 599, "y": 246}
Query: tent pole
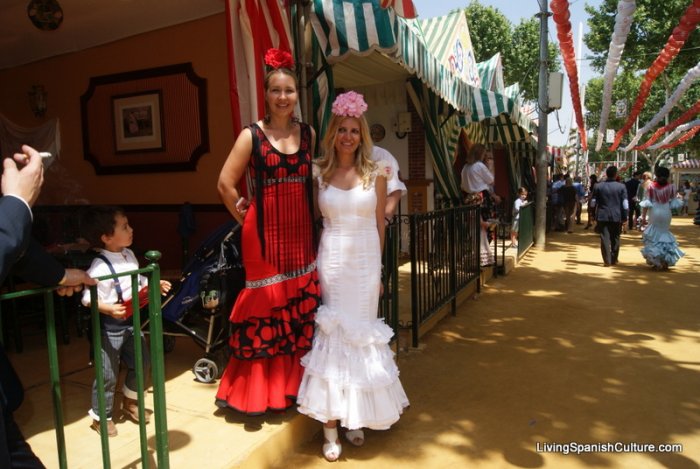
{"x": 543, "y": 105}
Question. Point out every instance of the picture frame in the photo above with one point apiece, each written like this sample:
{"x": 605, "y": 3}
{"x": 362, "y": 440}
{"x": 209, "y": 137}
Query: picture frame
{"x": 170, "y": 131}
{"x": 137, "y": 121}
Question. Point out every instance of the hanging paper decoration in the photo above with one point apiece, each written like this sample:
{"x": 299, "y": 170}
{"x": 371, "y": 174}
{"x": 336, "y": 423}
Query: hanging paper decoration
{"x": 623, "y": 22}
{"x": 680, "y": 129}
{"x": 695, "y": 109}
{"x": 561, "y": 14}
{"x": 690, "y": 77}
{"x": 403, "y": 8}
{"x": 684, "y": 138}
{"x": 680, "y": 34}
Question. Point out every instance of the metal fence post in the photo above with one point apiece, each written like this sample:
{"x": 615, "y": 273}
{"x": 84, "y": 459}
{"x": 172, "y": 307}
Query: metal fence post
{"x": 157, "y": 365}
{"x": 414, "y": 279}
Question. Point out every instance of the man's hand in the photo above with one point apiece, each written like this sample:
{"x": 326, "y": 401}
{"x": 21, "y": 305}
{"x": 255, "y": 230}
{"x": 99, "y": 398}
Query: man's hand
{"x": 26, "y": 179}
{"x": 73, "y": 281}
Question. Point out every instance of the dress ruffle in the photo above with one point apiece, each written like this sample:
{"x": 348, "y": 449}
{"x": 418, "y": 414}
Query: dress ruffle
{"x": 358, "y": 333}
{"x": 350, "y": 374}
{"x": 660, "y": 247}
{"x": 274, "y": 319}
{"x": 273, "y": 329}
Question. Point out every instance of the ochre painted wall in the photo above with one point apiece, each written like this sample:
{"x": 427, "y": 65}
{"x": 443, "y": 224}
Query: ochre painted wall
{"x": 72, "y": 180}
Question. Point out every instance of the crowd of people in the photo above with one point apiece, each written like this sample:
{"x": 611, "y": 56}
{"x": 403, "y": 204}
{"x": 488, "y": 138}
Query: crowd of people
{"x": 644, "y": 202}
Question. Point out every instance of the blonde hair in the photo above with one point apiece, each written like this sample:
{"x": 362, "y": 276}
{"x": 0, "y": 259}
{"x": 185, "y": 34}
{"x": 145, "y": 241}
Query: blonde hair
{"x": 364, "y": 165}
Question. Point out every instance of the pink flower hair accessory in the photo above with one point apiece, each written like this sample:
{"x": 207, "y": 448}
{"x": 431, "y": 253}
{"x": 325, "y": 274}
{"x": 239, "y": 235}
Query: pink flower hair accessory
{"x": 277, "y": 58}
{"x": 349, "y": 104}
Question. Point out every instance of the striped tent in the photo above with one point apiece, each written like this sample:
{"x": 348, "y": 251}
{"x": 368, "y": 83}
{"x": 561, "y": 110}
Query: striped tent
{"x": 362, "y": 26}
{"x": 253, "y": 26}
{"x": 502, "y": 129}
{"x": 491, "y": 74}
{"x": 448, "y": 39}
{"x": 440, "y": 136}
{"x": 690, "y": 163}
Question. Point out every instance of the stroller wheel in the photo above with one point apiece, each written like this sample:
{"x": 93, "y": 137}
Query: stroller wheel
{"x": 205, "y": 370}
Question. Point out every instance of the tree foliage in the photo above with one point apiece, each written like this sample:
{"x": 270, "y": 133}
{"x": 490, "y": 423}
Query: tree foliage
{"x": 519, "y": 45}
{"x": 653, "y": 24}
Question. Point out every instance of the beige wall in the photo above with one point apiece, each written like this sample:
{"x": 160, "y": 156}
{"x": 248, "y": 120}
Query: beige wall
{"x": 66, "y": 78}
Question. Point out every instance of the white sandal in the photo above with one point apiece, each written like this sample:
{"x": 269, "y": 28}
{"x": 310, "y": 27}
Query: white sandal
{"x": 331, "y": 445}
{"x": 355, "y": 437}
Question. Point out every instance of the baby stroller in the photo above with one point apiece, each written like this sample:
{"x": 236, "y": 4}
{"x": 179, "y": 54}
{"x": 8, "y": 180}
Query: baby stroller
{"x": 200, "y": 303}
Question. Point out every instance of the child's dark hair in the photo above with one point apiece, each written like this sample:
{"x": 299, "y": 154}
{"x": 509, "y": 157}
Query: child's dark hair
{"x": 522, "y": 190}
{"x": 99, "y": 220}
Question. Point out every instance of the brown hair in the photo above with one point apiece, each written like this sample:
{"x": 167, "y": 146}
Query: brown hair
{"x": 100, "y": 220}
{"x": 476, "y": 153}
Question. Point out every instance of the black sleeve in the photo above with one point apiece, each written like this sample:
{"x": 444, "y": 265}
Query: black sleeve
{"x": 38, "y": 266}
{"x": 15, "y": 229}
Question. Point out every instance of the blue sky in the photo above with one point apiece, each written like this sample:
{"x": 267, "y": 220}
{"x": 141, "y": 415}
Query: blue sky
{"x": 514, "y": 10}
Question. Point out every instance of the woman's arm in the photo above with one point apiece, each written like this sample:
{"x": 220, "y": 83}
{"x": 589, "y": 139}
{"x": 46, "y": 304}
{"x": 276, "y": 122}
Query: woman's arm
{"x": 232, "y": 172}
{"x": 380, "y": 188}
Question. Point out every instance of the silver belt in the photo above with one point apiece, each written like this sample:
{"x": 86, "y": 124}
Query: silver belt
{"x": 281, "y": 277}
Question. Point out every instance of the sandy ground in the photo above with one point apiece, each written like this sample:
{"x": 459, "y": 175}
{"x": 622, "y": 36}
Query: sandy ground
{"x": 562, "y": 350}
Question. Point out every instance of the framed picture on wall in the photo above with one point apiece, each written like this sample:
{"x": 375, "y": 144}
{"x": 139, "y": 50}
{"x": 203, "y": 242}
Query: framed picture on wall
{"x": 137, "y": 122}
{"x": 145, "y": 121}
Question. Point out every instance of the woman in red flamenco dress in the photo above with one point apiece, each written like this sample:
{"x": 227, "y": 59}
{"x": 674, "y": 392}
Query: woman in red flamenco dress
{"x": 273, "y": 317}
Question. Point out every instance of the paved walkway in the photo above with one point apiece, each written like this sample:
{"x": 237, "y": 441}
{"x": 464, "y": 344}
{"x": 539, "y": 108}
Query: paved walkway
{"x": 560, "y": 350}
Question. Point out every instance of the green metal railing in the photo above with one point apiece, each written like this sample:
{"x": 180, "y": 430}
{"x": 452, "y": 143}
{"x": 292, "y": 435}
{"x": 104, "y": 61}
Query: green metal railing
{"x": 152, "y": 272}
{"x": 444, "y": 249}
{"x": 389, "y": 302}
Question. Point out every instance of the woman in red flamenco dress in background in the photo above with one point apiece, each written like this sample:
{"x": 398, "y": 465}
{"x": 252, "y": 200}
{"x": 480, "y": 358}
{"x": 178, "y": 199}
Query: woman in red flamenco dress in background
{"x": 273, "y": 317}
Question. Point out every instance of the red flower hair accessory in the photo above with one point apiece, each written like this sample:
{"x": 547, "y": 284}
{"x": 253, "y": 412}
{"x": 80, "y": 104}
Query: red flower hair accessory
{"x": 277, "y": 58}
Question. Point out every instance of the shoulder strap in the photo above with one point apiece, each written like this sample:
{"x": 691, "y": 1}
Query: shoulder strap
{"x": 117, "y": 286}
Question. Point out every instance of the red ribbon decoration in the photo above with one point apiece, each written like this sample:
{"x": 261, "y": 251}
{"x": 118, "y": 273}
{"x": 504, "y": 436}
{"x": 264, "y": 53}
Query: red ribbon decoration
{"x": 680, "y": 34}
{"x": 688, "y": 135}
{"x": 687, "y": 115}
{"x": 403, "y": 8}
{"x": 561, "y": 15}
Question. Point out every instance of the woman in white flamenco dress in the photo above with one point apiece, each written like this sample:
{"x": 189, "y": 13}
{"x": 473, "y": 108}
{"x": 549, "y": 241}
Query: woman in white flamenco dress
{"x": 350, "y": 375}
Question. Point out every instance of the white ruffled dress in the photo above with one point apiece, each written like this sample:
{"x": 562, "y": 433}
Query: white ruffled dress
{"x": 350, "y": 374}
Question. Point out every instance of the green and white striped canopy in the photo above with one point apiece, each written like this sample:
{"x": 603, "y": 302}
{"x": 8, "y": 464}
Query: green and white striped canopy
{"x": 491, "y": 74}
{"x": 362, "y": 26}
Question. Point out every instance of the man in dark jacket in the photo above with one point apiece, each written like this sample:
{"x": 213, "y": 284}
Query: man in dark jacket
{"x": 610, "y": 200}
{"x": 631, "y": 185}
{"x": 23, "y": 256}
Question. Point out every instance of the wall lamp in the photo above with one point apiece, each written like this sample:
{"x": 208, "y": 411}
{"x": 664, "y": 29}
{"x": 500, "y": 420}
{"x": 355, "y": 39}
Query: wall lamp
{"x": 37, "y": 100}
